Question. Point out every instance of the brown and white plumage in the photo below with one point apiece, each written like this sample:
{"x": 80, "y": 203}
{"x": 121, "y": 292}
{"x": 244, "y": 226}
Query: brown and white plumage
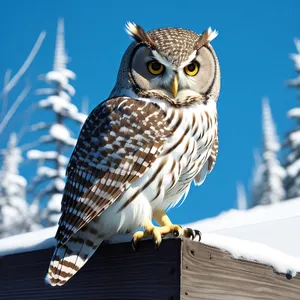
{"x": 139, "y": 151}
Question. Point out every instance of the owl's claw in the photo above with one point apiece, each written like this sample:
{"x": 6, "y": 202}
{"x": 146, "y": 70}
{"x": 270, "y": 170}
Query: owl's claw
{"x": 192, "y": 234}
{"x": 135, "y": 245}
{"x": 156, "y": 232}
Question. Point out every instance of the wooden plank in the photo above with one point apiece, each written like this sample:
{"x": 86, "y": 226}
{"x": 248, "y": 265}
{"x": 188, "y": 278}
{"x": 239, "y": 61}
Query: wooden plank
{"x": 208, "y": 273}
{"x": 114, "y": 272}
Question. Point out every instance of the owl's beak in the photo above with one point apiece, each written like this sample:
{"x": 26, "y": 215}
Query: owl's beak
{"x": 174, "y": 86}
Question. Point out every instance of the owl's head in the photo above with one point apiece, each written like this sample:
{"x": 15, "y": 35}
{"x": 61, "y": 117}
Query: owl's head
{"x": 171, "y": 64}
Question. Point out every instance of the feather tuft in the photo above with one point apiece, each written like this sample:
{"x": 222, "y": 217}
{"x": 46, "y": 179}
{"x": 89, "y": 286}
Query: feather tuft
{"x": 139, "y": 34}
{"x": 212, "y": 34}
{"x": 206, "y": 37}
{"x": 131, "y": 29}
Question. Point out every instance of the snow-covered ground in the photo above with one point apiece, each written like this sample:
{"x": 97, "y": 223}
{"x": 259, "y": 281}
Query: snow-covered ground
{"x": 267, "y": 234}
{"x": 274, "y": 225}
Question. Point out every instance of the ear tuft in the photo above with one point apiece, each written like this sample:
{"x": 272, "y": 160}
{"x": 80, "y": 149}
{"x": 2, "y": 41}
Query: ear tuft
{"x": 139, "y": 34}
{"x": 212, "y": 34}
{"x": 206, "y": 37}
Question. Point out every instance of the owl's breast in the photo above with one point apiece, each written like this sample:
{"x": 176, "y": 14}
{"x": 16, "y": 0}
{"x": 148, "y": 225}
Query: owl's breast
{"x": 189, "y": 148}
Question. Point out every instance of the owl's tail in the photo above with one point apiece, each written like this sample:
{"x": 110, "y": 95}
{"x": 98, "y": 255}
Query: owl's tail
{"x": 71, "y": 257}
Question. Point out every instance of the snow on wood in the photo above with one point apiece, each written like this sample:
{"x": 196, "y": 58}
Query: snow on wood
{"x": 242, "y": 249}
{"x": 31, "y": 241}
{"x": 275, "y": 225}
{"x": 238, "y": 248}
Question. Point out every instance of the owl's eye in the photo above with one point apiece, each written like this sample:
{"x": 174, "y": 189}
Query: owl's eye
{"x": 192, "y": 69}
{"x": 155, "y": 67}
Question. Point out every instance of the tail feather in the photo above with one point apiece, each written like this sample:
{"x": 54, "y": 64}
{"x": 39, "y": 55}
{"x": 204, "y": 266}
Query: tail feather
{"x": 71, "y": 257}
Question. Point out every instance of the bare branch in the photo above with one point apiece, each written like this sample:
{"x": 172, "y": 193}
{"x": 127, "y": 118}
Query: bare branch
{"x": 5, "y": 96}
{"x": 26, "y": 116}
{"x": 25, "y": 65}
{"x": 14, "y": 107}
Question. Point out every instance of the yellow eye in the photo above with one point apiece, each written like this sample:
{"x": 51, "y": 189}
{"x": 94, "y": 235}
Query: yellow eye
{"x": 155, "y": 67}
{"x": 192, "y": 69}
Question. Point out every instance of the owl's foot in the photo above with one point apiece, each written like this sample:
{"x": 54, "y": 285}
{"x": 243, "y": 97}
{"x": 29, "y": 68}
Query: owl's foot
{"x": 156, "y": 232}
{"x": 161, "y": 218}
{"x": 167, "y": 227}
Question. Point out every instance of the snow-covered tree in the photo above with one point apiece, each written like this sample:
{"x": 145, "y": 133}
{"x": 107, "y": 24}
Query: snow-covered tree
{"x": 257, "y": 179}
{"x": 241, "y": 197}
{"x": 15, "y": 214}
{"x": 49, "y": 182}
{"x": 292, "y": 142}
{"x": 295, "y": 57}
{"x": 269, "y": 175}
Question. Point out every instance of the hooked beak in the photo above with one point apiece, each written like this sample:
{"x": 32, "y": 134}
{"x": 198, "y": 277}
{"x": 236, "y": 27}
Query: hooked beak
{"x": 174, "y": 86}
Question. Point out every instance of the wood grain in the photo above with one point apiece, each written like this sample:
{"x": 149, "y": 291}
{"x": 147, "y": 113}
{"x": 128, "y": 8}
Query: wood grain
{"x": 114, "y": 272}
{"x": 208, "y": 273}
{"x": 178, "y": 270}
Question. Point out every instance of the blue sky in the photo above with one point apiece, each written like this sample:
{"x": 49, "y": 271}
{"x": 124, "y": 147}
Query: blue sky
{"x": 255, "y": 38}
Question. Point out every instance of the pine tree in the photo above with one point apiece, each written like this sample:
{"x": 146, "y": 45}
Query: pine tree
{"x": 14, "y": 210}
{"x": 292, "y": 142}
{"x": 257, "y": 183}
{"x": 269, "y": 174}
{"x": 241, "y": 196}
{"x": 49, "y": 182}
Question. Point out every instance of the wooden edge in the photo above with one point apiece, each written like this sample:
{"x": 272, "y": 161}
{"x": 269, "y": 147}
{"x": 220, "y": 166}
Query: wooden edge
{"x": 215, "y": 274}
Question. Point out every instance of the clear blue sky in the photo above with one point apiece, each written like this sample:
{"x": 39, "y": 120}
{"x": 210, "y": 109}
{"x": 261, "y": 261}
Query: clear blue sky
{"x": 255, "y": 38}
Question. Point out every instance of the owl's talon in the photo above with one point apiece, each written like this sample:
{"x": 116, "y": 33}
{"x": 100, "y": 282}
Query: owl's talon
{"x": 176, "y": 233}
{"x": 157, "y": 244}
{"x": 192, "y": 233}
{"x": 134, "y": 244}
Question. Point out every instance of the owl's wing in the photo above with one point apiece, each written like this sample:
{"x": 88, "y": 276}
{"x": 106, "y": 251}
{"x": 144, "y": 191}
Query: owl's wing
{"x": 209, "y": 164}
{"x": 118, "y": 143}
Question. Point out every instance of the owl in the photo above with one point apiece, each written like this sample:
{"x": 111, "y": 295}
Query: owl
{"x": 139, "y": 151}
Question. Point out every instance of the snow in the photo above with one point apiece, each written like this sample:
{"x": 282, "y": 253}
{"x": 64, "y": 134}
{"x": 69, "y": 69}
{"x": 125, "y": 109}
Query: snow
{"x": 56, "y": 76}
{"x": 61, "y": 133}
{"x": 294, "y": 112}
{"x": 54, "y": 202}
{"x": 59, "y": 184}
{"x": 296, "y": 56}
{"x": 241, "y": 197}
{"x": 296, "y": 59}
{"x": 275, "y": 225}
{"x": 295, "y": 138}
{"x": 69, "y": 74}
{"x": 15, "y": 216}
{"x": 61, "y": 105}
{"x": 271, "y": 142}
{"x": 293, "y": 169}
{"x": 58, "y": 104}
{"x": 239, "y": 249}
{"x": 246, "y": 250}
{"x": 269, "y": 175}
{"x": 27, "y": 242}
{"x": 46, "y": 171}
{"x": 265, "y": 234}
{"x": 43, "y": 155}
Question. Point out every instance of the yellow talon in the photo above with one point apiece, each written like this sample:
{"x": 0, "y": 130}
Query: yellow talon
{"x": 165, "y": 228}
